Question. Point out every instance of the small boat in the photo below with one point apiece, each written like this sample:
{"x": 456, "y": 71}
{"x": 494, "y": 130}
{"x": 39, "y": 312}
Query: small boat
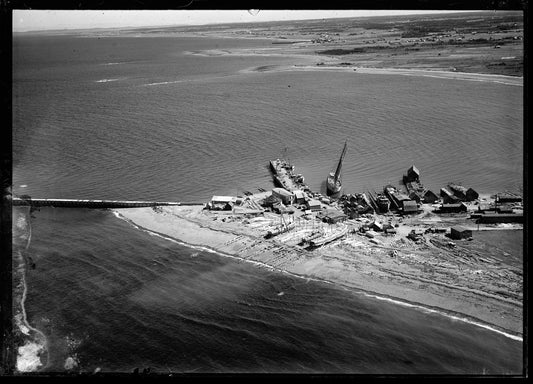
{"x": 334, "y": 180}
{"x": 317, "y": 242}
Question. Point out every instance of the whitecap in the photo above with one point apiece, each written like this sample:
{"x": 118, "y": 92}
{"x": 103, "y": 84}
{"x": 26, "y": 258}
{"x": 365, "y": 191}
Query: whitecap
{"x": 28, "y": 359}
{"x": 106, "y": 80}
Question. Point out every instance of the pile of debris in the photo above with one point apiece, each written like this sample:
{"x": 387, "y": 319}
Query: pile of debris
{"x": 355, "y": 205}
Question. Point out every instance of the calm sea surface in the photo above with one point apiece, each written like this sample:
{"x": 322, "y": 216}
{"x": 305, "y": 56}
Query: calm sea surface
{"x": 141, "y": 118}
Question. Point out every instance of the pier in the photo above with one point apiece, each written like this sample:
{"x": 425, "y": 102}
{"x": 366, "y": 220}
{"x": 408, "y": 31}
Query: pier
{"x": 77, "y": 203}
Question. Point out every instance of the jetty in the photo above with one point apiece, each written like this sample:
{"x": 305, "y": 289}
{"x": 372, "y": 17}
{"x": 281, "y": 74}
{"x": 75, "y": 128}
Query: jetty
{"x": 77, "y": 203}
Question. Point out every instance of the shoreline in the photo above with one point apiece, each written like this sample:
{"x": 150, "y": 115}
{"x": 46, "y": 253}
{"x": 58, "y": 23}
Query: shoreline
{"x": 248, "y": 248}
{"x": 32, "y": 351}
{"x": 436, "y": 73}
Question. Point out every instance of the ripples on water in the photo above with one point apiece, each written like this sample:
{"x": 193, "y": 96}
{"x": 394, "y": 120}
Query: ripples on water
{"x": 214, "y": 131}
{"x": 117, "y": 298}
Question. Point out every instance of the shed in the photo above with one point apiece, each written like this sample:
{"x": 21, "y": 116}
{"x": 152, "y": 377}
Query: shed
{"x": 451, "y": 208}
{"x": 429, "y": 197}
{"x": 221, "y": 203}
{"x": 299, "y": 197}
{"x": 314, "y": 205}
{"x": 413, "y": 174}
{"x": 285, "y": 196}
{"x": 458, "y": 233}
{"x": 410, "y": 206}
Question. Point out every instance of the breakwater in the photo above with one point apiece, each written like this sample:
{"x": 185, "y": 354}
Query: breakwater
{"x": 77, "y": 203}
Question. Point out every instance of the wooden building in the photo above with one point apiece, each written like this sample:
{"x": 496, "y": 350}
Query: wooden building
{"x": 413, "y": 174}
{"x": 458, "y": 233}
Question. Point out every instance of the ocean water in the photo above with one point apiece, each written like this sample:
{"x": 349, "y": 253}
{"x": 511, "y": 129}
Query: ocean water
{"x": 143, "y": 118}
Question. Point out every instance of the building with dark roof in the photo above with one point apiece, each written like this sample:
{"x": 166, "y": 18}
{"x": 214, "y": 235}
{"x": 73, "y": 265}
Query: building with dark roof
{"x": 501, "y": 218}
{"x": 413, "y": 174}
{"x": 458, "y": 233}
{"x": 458, "y": 191}
{"x": 448, "y": 197}
{"x": 471, "y": 195}
{"x": 453, "y": 208}
{"x": 508, "y": 198}
{"x": 430, "y": 197}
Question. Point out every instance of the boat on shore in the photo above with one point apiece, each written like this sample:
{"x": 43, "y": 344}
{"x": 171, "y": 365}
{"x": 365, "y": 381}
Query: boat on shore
{"x": 334, "y": 180}
{"x": 317, "y": 242}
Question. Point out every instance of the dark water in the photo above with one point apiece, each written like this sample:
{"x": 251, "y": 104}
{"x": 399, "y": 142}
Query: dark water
{"x": 117, "y": 298}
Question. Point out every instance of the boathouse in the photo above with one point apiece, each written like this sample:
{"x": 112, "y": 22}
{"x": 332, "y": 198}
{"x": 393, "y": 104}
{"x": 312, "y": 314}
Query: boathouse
{"x": 448, "y": 197}
{"x": 413, "y": 174}
{"x": 430, "y": 197}
{"x": 458, "y": 233}
{"x": 471, "y": 195}
{"x": 458, "y": 191}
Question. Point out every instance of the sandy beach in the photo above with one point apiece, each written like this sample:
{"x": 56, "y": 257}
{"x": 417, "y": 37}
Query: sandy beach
{"x": 426, "y": 276}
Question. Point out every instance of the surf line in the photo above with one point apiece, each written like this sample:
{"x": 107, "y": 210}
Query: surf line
{"x": 304, "y": 277}
{"x": 44, "y": 343}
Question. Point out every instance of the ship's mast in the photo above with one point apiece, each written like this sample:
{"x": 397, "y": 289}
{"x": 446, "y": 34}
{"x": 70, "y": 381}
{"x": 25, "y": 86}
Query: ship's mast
{"x": 339, "y": 166}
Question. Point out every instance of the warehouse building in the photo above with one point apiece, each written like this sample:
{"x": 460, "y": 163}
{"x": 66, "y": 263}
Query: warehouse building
{"x": 299, "y": 197}
{"x": 453, "y": 208}
{"x": 501, "y": 218}
{"x": 286, "y": 197}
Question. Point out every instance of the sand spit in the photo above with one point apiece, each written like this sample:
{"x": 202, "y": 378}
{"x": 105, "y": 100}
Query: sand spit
{"x": 356, "y": 70}
{"x": 461, "y": 284}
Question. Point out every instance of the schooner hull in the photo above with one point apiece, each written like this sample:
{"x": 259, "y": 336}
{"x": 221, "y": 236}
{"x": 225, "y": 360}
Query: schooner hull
{"x": 331, "y": 186}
